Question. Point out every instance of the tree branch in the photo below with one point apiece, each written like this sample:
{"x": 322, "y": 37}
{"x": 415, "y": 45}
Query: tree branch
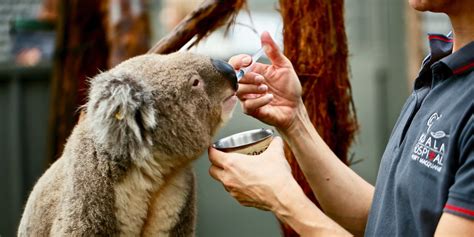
{"x": 209, "y": 16}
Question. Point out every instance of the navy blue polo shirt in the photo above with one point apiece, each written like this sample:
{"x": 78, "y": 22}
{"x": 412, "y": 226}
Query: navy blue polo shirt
{"x": 428, "y": 165}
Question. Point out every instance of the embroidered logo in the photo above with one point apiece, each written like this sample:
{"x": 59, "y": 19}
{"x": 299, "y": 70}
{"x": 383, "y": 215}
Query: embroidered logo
{"x": 431, "y": 146}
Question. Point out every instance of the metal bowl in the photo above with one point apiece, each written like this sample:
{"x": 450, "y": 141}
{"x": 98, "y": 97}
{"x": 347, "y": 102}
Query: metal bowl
{"x": 243, "y": 139}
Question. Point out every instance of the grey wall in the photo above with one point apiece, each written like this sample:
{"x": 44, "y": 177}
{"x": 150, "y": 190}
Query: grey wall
{"x": 378, "y": 75}
{"x": 24, "y": 97}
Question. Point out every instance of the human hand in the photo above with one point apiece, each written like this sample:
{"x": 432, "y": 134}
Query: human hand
{"x": 270, "y": 93}
{"x": 254, "y": 181}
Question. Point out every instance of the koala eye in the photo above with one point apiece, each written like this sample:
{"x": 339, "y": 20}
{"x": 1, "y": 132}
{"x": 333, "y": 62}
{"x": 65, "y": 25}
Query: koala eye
{"x": 196, "y": 82}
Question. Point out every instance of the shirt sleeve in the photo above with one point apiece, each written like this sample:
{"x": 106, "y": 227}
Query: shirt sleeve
{"x": 461, "y": 193}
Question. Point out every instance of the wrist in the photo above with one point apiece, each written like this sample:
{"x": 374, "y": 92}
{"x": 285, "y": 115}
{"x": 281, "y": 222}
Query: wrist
{"x": 299, "y": 123}
{"x": 285, "y": 196}
{"x": 296, "y": 210}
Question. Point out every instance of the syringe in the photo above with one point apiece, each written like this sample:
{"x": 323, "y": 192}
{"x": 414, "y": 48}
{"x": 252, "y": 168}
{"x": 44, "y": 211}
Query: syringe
{"x": 255, "y": 57}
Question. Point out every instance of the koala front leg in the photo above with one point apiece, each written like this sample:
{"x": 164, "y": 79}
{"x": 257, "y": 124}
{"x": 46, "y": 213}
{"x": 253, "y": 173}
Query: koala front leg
{"x": 172, "y": 210}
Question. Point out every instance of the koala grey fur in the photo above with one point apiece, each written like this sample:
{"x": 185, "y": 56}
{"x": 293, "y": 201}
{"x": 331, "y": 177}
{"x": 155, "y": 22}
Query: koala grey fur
{"x": 125, "y": 169}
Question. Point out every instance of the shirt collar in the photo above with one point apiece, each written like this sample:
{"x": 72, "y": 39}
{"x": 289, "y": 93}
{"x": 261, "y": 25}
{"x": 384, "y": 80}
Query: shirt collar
{"x": 461, "y": 61}
{"x": 441, "y": 47}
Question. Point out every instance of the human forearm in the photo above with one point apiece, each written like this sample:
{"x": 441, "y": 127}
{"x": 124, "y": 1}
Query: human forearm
{"x": 343, "y": 195}
{"x": 272, "y": 188}
{"x": 296, "y": 210}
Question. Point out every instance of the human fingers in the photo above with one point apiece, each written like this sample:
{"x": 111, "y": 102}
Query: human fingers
{"x": 276, "y": 144}
{"x": 251, "y": 105}
{"x": 216, "y": 173}
{"x": 273, "y": 51}
{"x": 251, "y": 86}
{"x": 275, "y": 149}
{"x": 245, "y": 89}
{"x": 259, "y": 68}
{"x": 239, "y": 61}
{"x": 217, "y": 158}
{"x": 252, "y": 78}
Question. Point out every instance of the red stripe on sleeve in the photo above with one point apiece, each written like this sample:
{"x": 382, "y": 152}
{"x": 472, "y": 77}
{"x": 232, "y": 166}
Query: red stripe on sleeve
{"x": 459, "y": 209}
{"x": 463, "y": 68}
{"x": 440, "y": 38}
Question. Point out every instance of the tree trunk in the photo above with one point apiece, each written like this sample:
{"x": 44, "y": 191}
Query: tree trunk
{"x": 92, "y": 36}
{"x": 315, "y": 42}
{"x": 82, "y": 51}
{"x": 128, "y": 29}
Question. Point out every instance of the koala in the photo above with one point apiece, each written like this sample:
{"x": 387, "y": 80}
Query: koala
{"x": 126, "y": 168}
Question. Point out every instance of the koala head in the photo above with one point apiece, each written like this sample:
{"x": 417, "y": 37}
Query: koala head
{"x": 161, "y": 104}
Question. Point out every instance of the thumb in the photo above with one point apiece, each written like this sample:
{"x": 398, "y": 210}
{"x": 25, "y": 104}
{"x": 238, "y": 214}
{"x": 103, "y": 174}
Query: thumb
{"x": 276, "y": 144}
{"x": 272, "y": 51}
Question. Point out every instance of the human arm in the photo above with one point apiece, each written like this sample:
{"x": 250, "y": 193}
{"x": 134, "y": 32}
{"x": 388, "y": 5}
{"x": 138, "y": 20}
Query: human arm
{"x": 343, "y": 195}
{"x": 452, "y": 225}
{"x": 265, "y": 182}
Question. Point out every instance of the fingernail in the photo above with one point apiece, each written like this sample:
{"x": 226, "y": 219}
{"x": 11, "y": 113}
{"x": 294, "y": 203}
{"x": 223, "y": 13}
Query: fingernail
{"x": 246, "y": 60}
{"x": 262, "y": 87}
{"x": 259, "y": 79}
{"x": 270, "y": 96}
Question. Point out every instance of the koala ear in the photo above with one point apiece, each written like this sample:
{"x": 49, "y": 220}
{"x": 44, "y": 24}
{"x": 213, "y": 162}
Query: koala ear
{"x": 122, "y": 115}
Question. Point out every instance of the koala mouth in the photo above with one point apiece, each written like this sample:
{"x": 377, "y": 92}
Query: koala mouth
{"x": 229, "y": 97}
{"x": 228, "y": 105}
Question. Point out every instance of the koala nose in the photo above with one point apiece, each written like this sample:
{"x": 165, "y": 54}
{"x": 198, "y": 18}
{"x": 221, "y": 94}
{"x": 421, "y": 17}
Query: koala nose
{"x": 227, "y": 71}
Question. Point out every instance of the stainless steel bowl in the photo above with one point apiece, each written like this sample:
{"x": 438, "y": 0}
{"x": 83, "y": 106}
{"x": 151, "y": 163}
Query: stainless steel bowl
{"x": 243, "y": 139}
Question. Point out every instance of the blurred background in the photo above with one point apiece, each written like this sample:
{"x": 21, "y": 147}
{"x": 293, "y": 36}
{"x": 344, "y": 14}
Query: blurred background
{"x": 387, "y": 41}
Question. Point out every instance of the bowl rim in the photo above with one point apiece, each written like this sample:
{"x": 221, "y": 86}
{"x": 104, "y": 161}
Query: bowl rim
{"x": 269, "y": 132}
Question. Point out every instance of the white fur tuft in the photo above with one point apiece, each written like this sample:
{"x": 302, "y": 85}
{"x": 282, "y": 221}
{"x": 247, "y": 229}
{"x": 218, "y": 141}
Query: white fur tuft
{"x": 121, "y": 115}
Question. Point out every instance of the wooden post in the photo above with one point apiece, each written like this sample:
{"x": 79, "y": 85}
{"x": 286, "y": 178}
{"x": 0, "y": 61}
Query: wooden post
{"x": 315, "y": 42}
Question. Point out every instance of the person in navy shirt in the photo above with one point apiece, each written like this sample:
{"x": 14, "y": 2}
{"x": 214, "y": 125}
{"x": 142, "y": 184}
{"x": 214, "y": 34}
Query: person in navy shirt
{"x": 425, "y": 184}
